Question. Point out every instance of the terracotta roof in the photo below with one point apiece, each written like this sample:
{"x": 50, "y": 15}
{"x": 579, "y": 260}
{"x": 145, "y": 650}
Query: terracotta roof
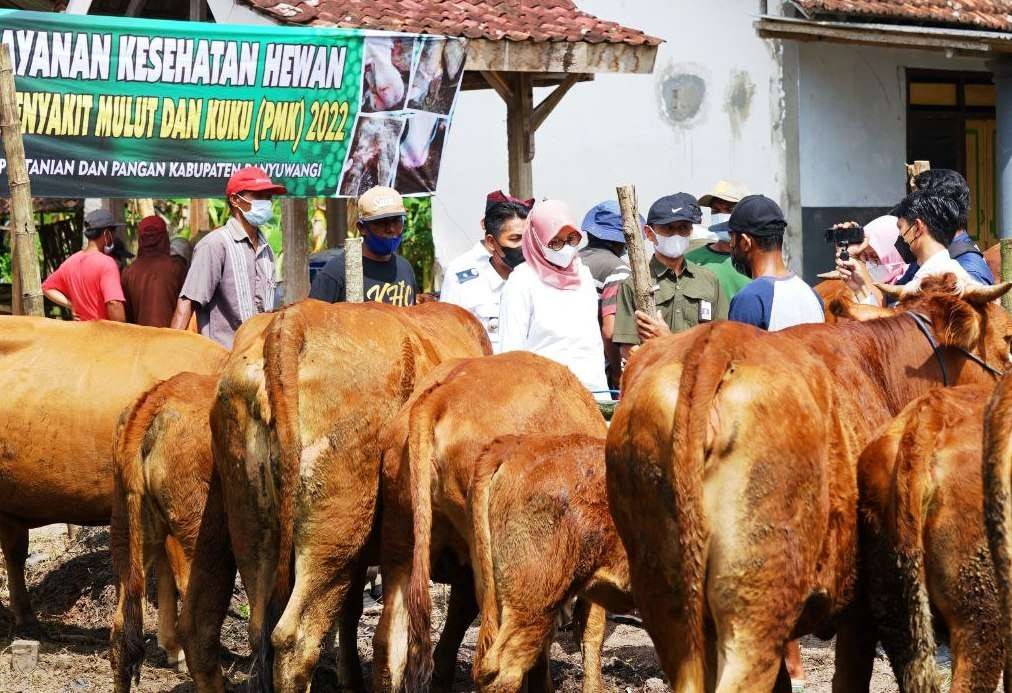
{"x": 991, "y": 15}
{"x": 514, "y": 20}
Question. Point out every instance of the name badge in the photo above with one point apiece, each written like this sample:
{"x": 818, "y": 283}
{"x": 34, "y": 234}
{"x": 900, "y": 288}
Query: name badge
{"x": 705, "y": 310}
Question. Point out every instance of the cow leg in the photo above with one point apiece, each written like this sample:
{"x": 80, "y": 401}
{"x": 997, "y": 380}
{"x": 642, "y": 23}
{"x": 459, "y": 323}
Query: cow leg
{"x": 208, "y": 593}
{"x": 349, "y": 666}
{"x": 539, "y": 678}
{"x": 976, "y": 661}
{"x": 390, "y": 642}
{"x": 460, "y": 614}
{"x": 855, "y": 651}
{"x": 590, "y": 620}
{"x": 518, "y": 646}
{"x": 14, "y": 541}
{"x": 168, "y": 638}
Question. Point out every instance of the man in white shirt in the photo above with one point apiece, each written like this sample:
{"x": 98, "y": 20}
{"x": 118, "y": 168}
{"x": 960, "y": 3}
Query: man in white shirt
{"x": 477, "y": 286}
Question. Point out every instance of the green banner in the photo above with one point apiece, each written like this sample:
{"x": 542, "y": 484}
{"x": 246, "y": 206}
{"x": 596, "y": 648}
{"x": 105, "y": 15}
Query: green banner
{"x": 120, "y": 107}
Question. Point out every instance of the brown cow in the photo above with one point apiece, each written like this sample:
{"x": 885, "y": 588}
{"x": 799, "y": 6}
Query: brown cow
{"x": 162, "y": 474}
{"x": 64, "y": 387}
{"x": 997, "y": 474}
{"x": 922, "y": 516}
{"x": 427, "y": 470}
{"x": 732, "y": 475}
{"x": 300, "y": 411}
{"x": 544, "y": 534}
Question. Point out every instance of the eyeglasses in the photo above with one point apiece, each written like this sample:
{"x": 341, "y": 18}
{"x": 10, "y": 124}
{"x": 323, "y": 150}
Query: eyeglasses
{"x": 571, "y": 239}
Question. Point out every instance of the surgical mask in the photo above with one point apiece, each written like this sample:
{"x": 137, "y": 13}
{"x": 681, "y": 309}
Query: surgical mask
{"x": 903, "y": 248}
{"x": 512, "y": 257}
{"x": 879, "y": 273}
{"x": 672, "y": 246}
{"x": 107, "y": 249}
{"x": 260, "y": 211}
{"x": 561, "y": 258}
{"x": 382, "y": 245}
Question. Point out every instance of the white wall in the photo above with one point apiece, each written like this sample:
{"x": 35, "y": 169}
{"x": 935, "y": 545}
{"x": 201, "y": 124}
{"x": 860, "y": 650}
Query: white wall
{"x": 614, "y": 130}
{"x": 853, "y": 126}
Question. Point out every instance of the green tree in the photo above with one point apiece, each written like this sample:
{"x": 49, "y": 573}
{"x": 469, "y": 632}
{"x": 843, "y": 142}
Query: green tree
{"x": 417, "y": 246}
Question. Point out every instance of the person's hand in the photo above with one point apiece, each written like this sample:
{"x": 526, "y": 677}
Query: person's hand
{"x": 854, "y": 248}
{"x": 648, "y": 327}
{"x": 855, "y": 275}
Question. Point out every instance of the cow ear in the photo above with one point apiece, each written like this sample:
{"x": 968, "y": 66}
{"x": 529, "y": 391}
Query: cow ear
{"x": 982, "y": 295}
{"x": 847, "y": 307}
{"x": 892, "y": 291}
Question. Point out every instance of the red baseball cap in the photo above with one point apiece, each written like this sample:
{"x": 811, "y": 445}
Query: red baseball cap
{"x": 254, "y": 179}
{"x": 151, "y": 226}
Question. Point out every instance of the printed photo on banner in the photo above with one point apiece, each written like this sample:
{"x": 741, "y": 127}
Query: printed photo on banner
{"x": 437, "y": 75}
{"x": 420, "y": 150}
{"x": 387, "y": 66}
{"x": 372, "y": 159}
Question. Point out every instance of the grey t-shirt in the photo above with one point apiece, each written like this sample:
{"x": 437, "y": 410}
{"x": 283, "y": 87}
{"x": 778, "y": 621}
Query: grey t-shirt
{"x": 230, "y": 281}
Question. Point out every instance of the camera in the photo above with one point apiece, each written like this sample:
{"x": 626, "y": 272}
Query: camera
{"x": 844, "y": 236}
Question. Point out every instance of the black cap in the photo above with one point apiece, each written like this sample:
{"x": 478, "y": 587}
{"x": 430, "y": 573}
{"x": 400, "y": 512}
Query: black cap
{"x": 672, "y": 208}
{"x": 757, "y": 215}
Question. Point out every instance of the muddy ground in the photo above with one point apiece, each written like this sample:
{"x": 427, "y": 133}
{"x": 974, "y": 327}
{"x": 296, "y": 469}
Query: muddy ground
{"x": 74, "y": 594}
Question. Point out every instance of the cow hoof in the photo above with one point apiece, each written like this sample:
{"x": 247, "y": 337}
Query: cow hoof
{"x": 326, "y": 680}
{"x": 177, "y": 665}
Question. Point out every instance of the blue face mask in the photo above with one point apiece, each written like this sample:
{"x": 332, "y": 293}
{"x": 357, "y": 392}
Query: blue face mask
{"x": 260, "y": 212}
{"x": 381, "y": 245}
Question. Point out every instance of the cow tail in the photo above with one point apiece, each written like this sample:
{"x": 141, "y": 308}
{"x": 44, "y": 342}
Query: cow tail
{"x": 282, "y": 349}
{"x": 488, "y": 599}
{"x": 997, "y": 476}
{"x": 910, "y": 631}
{"x": 421, "y": 458}
{"x": 702, "y": 375}
{"x": 127, "y": 537}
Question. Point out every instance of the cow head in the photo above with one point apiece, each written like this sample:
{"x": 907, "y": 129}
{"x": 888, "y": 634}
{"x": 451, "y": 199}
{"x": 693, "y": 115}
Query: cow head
{"x": 421, "y": 130}
{"x": 964, "y": 318}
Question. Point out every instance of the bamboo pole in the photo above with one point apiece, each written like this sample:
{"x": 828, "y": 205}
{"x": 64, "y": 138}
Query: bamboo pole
{"x": 353, "y": 282}
{"x": 643, "y": 290}
{"x": 24, "y": 260}
{"x": 1006, "y": 271}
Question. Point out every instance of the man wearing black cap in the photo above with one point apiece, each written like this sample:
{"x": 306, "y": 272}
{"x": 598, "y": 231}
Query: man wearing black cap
{"x": 776, "y": 298}
{"x": 687, "y": 294}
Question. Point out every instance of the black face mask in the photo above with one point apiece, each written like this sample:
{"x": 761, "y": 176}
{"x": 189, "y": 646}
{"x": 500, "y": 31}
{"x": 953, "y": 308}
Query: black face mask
{"x": 512, "y": 257}
{"x": 903, "y": 248}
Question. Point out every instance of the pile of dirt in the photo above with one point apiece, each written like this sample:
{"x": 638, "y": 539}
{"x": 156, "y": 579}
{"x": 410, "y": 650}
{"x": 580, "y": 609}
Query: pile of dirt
{"x": 74, "y": 594}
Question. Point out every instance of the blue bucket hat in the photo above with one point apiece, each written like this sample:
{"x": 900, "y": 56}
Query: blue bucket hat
{"x": 604, "y": 221}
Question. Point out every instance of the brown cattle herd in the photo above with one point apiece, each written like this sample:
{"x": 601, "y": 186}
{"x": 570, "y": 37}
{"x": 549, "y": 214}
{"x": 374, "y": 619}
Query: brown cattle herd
{"x": 850, "y": 480}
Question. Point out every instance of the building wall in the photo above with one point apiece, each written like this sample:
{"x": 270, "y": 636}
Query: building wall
{"x": 853, "y": 134}
{"x": 713, "y": 108}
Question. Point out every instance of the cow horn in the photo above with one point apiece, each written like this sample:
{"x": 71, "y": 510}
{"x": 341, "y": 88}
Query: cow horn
{"x": 893, "y": 291}
{"x": 982, "y": 295}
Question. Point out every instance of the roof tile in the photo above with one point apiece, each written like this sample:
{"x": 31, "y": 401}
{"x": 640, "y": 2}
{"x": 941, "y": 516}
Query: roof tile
{"x": 990, "y": 15}
{"x": 517, "y": 20}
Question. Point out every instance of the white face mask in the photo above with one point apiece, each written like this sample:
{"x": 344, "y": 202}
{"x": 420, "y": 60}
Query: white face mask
{"x": 879, "y": 273}
{"x": 672, "y": 246}
{"x": 260, "y": 212}
{"x": 716, "y": 218}
{"x": 561, "y": 258}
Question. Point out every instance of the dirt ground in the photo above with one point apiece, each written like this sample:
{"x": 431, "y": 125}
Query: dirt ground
{"x": 74, "y": 594}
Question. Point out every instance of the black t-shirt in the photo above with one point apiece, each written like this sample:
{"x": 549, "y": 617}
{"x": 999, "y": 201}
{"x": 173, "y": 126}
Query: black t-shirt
{"x": 390, "y": 282}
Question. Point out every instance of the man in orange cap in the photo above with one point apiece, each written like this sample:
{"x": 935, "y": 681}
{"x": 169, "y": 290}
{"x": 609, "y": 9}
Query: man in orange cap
{"x": 231, "y": 276}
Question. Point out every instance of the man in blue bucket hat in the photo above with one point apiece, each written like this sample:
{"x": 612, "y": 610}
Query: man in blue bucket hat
{"x": 605, "y": 257}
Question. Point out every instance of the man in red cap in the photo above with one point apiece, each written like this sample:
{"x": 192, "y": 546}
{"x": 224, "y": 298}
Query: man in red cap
{"x": 231, "y": 276}
{"x": 153, "y": 281}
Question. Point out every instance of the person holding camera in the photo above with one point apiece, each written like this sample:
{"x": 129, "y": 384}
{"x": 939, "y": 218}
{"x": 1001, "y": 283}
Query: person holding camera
{"x": 875, "y": 260}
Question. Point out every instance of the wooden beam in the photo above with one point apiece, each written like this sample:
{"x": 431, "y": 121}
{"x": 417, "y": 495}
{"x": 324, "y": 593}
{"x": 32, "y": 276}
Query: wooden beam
{"x": 295, "y": 246}
{"x": 26, "y": 297}
{"x": 135, "y": 8}
{"x": 198, "y": 11}
{"x": 499, "y": 83}
{"x": 551, "y": 101}
{"x": 520, "y": 138}
{"x": 559, "y": 56}
{"x": 199, "y": 220}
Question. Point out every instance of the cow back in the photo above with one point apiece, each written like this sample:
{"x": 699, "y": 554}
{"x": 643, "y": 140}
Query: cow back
{"x": 65, "y": 386}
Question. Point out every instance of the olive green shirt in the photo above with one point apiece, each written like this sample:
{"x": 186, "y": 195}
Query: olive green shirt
{"x": 689, "y": 299}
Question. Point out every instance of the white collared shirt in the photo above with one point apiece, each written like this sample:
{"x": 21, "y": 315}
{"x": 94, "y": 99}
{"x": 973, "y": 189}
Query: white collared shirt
{"x": 941, "y": 263}
{"x": 478, "y": 289}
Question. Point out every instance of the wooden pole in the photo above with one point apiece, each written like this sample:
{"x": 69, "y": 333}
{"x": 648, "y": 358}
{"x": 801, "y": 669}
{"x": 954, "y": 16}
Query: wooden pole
{"x": 643, "y": 287}
{"x": 337, "y": 222}
{"x": 295, "y": 246}
{"x": 520, "y": 138}
{"x": 353, "y": 282}
{"x": 24, "y": 261}
{"x": 1006, "y": 271}
{"x": 198, "y": 217}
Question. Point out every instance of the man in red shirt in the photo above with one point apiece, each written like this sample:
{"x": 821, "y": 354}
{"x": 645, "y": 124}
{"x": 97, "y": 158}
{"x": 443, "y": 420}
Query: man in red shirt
{"x": 88, "y": 282}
